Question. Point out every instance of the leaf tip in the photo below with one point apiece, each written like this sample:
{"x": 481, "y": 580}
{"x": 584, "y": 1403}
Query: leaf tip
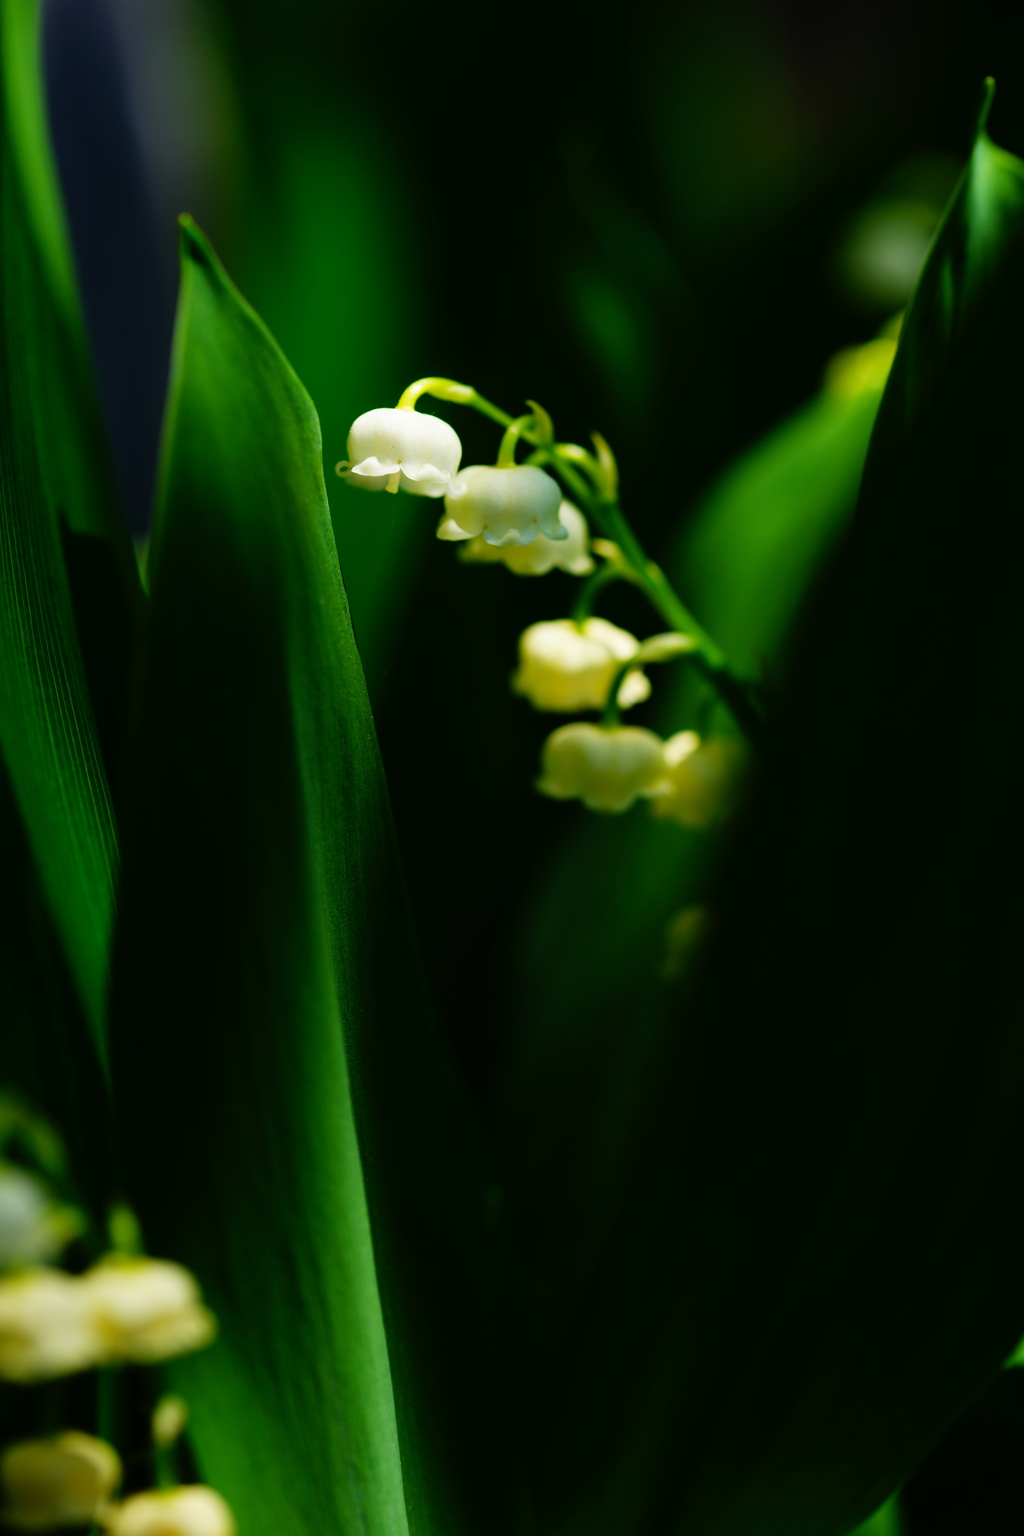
{"x": 193, "y": 243}
{"x": 988, "y": 96}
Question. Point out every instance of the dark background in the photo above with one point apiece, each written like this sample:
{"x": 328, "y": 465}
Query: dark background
{"x": 650, "y": 222}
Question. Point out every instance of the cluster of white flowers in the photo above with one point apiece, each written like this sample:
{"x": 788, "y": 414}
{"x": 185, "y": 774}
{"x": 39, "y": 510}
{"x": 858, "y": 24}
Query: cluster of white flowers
{"x": 71, "y": 1479}
{"x": 515, "y": 514}
{"x": 123, "y": 1309}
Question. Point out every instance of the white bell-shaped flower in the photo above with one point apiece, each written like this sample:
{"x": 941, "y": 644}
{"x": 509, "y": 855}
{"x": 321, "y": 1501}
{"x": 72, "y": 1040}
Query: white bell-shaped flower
{"x": 146, "y": 1309}
{"x": 65, "y": 1480}
{"x": 31, "y": 1226}
{"x": 503, "y": 506}
{"x": 564, "y": 666}
{"x": 403, "y": 448}
{"x": 571, "y": 554}
{"x": 607, "y": 767}
{"x": 702, "y": 779}
{"x": 191, "y": 1510}
{"x": 46, "y": 1326}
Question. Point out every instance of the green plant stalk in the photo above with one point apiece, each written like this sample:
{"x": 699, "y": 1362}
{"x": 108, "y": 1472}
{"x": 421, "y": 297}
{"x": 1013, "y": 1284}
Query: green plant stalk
{"x": 708, "y": 655}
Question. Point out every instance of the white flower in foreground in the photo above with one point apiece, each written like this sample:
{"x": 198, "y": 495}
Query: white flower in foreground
{"x": 607, "y": 767}
{"x": 502, "y": 506}
{"x": 65, "y": 1480}
{"x": 46, "y": 1328}
{"x": 702, "y": 782}
{"x": 388, "y": 448}
{"x": 193, "y": 1510}
{"x": 564, "y": 666}
{"x": 543, "y": 555}
{"x": 31, "y": 1226}
{"x": 146, "y": 1309}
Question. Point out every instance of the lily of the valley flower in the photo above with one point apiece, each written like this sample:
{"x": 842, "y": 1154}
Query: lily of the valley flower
{"x": 504, "y": 506}
{"x": 146, "y": 1309}
{"x": 31, "y": 1226}
{"x": 46, "y": 1329}
{"x": 564, "y": 666}
{"x": 67, "y": 1479}
{"x": 607, "y": 767}
{"x": 192, "y": 1510}
{"x": 388, "y": 448}
{"x": 544, "y": 554}
{"x": 702, "y": 779}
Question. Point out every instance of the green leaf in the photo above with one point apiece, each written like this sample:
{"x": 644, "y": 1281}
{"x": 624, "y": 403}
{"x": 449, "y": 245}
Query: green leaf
{"x": 815, "y": 1264}
{"x": 293, "y": 1131}
{"x": 56, "y": 480}
{"x": 594, "y": 997}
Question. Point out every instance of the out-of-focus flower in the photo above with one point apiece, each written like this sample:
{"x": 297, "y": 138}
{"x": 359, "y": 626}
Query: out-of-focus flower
{"x": 702, "y": 780}
{"x": 65, "y": 1480}
{"x": 564, "y": 666}
{"x": 684, "y": 936}
{"x": 31, "y": 1226}
{"x": 46, "y": 1326}
{"x": 388, "y": 448}
{"x": 169, "y": 1419}
{"x": 544, "y": 554}
{"x": 192, "y": 1510}
{"x": 607, "y": 767}
{"x": 506, "y": 506}
{"x": 146, "y": 1309}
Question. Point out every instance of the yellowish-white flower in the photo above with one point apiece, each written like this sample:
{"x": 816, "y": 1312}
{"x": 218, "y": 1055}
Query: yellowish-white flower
{"x": 146, "y": 1309}
{"x": 46, "y": 1326}
{"x": 192, "y": 1510}
{"x": 702, "y": 779}
{"x": 543, "y": 555}
{"x": 65, "y": 1480}
{"x": 503, "y": 506}
{"x": 564, "y": 666}
{"x": 32, "y": 1227}
{"x": 607, "y": 767}
{"x": 388, "y": 448}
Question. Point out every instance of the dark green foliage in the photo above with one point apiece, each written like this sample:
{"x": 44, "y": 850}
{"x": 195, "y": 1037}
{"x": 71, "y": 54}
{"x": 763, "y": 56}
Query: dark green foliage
{"x": 267, "y": 978}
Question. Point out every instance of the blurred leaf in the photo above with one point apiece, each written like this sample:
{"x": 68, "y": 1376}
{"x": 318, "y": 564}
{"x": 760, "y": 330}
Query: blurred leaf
{"x": 593, "y": 994}
{"x": 338, "y": 285}
{"x": 268, "y": 1003}
{"x": 815, "y": 1266}
{"x": 56, "y": 478}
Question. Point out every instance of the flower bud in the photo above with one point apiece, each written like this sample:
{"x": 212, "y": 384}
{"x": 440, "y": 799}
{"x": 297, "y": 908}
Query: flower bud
{"x": 423, "y": 451}
{"x": 31, "y": 1226}
{"x": 542, "y": 555}
{"x": 169, "y": 1419}
{"x": 146, "y": 1309}
{"x": 607, "y": 767}
{"x": 565, "y": 666}
{"x": 192, "y": 1510}
{"x": 702, "y": 780}
{"x": 66, "y": 1480}
{"x": 502, "y": 506}
{"x": 46, "y": 1327}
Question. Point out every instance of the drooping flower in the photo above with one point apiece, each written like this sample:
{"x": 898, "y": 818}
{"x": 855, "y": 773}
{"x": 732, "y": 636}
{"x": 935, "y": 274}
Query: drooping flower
{"x": 146, "y": 1309}
{"x": 564, "y": 666}
{"x": 388, "y": 448}
{"x": 32, "y": 1227}
{"x": 46, "y": 1326}
{"x": 607, "y": 767}
{"x": 191, "y": 1510}
{"x": 503, "y": 506}
{"x": 702, "y": 779}
{"x": 543, "y": 554}
{"x": 67, "y": 1479}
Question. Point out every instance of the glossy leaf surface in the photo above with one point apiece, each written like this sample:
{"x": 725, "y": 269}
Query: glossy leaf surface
{"x": 272, "y": 1036}
{"x": 815, "y": 1266}
{"x": 56, "y": 482}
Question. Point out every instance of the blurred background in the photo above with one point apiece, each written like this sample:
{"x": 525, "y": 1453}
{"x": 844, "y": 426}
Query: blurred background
{"x": 660, "y": 225}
